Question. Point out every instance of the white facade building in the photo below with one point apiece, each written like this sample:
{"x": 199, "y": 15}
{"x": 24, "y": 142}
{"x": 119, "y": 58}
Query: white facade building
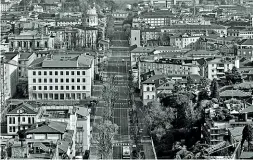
{"x": 61, "y": 77}
{"x": 92, "y": 17}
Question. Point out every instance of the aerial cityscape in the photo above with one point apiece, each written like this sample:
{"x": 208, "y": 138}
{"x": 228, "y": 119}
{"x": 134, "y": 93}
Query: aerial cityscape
{"x": 126, "y": 79}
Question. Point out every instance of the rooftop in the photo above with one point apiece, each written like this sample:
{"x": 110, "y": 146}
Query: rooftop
{"x": 48, "y": 127}
{"x": 153, "y": 78}
{"x": 235, "y": 93}
{"x": 142, "y": 50}
{"x": 26, "y": 109}
{"x": 246, "y": 42}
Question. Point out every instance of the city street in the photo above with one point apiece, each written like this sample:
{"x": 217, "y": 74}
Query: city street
{"x": 118, "y": 65}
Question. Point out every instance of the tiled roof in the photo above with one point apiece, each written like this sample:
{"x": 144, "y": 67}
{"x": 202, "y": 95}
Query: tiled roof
{"x": 25, "y": 55}
{"x": 27, "y": 108}
{"x": 234, "y": 93}
{"x": 49, "y": 127}
{"x": 247, "y": 110}
{"x": 246, "y": 42}
{"x": 142, "y": 50}
{"x": 10, "y": 55}
{"x": 153, "y": 78}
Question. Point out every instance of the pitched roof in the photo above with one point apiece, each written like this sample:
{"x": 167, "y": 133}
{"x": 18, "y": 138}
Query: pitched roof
{"x": 246, "y": 42}
{"x": 153, "y": 78}
{"x": 235, "y": 93}
{"x": 246, "y": 155}
{"x": 50, "y": 127}
{"x": 27, "y": 109}
{"x": 63, "y": 147}
{"x": 236, "y": 133}
{"x": 247, "y": 110}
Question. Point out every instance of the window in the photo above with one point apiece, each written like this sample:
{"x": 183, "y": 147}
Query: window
{"x": 56, "y": 87}
{"x": 72, "y": 73}
{"x": 56, "y": 73}
{"x": 39, "y": 87}
{"x": 72, "y": 80}
{"x": 14, "y": 129}
{"x": 45, "y": 80}
{"x": 23, "y": 119}
{"x": 67, "y": 80}
{"x": 29, "y": 120}
{"x": 73, "y": 87}
{"x": 34, "y": 73}
{"x": 147, "y": 96}
{"x": 153, "y": 88}
{"x": 10, "y": 120}
{"x": 34, "y": 80}
{"x": 45, "y": 72}
{"x": 39, "y": 80}
{"x": 147, "y": 88}
{"x": 78, "y": 72}
{"x": 61, "y": 80}
{"x": 78, "y": 87}
{"x": 67, "y": 87}
{"x": 50, "y": 80}
{"x": 62, "y": 87}
{"x": 83, "y": 72}
{"x": 34, "y": 87}
{"x": 153, "y": 97}
{"x": 13, "y": 120}
{"x": 50, "y": 73}
{"x": 45, "y": 87}
{"x": 39, "y": 73}
{"x": 84, "y": 87}
{"x": 83, "y": 79}
{"x": 10, "y": 129}
{"x": 61, "y": 72}
{"x": 18, "y": 119}
{"x": 51, "y": 87}
{"x": 67, "y": 72}
{"x": 56, "y": 80}
{"x": 32, "y": 119}
{"x": 78, "y": 80}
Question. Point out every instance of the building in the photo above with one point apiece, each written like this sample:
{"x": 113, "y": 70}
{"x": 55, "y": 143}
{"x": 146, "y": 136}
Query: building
{"x": 246, "y": 33}
{"x": 184, "y": 40}
{"x": 244, "y": 48}
{"x": 5, "y": 6}
{"x": 136, "y": 53}
{"x": 135, "y": 38}
{"x": 61, "y": 77}
{"x": 92, "y": 17}
{"x": 25, "y": 59}
{"x": 68, "y": 21}
{"x": 149, "y": 34}
{"x": 74, "y": 37}
{"x": 37, "y": 8}
{"x": 161, "y": 3}
{"x": 149, "y": 88}
{"x": 119, "y": 16}
{"x": 217, "y": 67}
{"x": 10, "y": 76}
{"x": 30, "y": 40}
{"x": 21, "y": 118}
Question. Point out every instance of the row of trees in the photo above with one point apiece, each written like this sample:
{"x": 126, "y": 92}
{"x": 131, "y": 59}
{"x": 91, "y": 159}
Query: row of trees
{"x": 106, "y": 129}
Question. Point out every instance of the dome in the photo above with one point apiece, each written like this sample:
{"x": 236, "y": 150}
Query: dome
{"x": 92, "y": 11}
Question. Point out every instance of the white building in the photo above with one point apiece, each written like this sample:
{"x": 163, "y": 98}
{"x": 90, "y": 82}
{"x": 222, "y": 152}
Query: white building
{"x": 24, "y": 61}
{"x": 92, "y": 17}
{"x": 5, "y": 6}
{"x": 185, "y": 40}
{"x": 61, "y": 77}
{"x": 216, "y": 68}
{"x": 38, "y": 8}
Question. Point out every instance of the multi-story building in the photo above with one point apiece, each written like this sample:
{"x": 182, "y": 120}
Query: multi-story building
{"x": 136, "y": 53}
{"x": 5, "y": 6}
{"x": 135, "y": 38}
{"x": 155, "y": 18}
{"x": 184, "y": 40}
{"x": 21, "y": 118}
{"x": 25, "y": 59}
{"x": 68, "y": 21}
{"x": 30, "y": 40}
{"x": 246, "y": 33}
{"x": 9, "y": 74}
{"x": 245, "y": 48}
{"x": 217, "y": 67}
{"x": 149, "y": 34}
{"x": 161, "y": 3}
{"x": 119, "y": 16}
{"x": 75, "y": 37}
{"x": 92, "y": 17}
{"x": 61, "y": 77}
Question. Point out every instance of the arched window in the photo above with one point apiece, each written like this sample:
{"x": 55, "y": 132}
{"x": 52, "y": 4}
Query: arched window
{"x": 147, "y": 96}
{"x": 45, "y": 44}
{"x": 153, "y": 97}
{"x": 147, "y": 88}
{"x": 153, "y": 88}
{"x": 38, "y": 44}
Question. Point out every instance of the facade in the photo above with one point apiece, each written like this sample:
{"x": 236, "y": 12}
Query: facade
{"x": 216, "y": 68}
{"x": 92, "y": 17}
{"x": 61, "y": 77}
{"x": 74, "y": 37}
{"x": 135, "y": 37}
{"x": 119, "y": 16}
{"x": 24, "y": 61}
{"x": 244, "y": 48}
{"x": 149, "y": 34}
{"x": 185, "y": 40}
{"x": 136, "y": 53}
{"x": 10, "y": 74}
{"x": 30, "y": 40}
{"x": 246, "y": 33}
{"x": 5, "y": 6}
{"x": 21, "y": 118}
{"x": 68, "y": 21}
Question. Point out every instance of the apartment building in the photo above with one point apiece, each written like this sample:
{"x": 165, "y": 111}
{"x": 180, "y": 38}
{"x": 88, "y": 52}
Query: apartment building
{"x": 245, "y": 48}
{"x": 119, "y": 16}
{"x": 184, "y": 40}
{"x": 136, "y": 53}
{"x": 68, "y": 21}
{"x": 149, "y": 34}
{"x": 5, "y": 6}
{"x": 61, "y": 77}
{"x": 217, "y": 67}
{"x": 246, "y": 33}
{"x": 25, "y": 59}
